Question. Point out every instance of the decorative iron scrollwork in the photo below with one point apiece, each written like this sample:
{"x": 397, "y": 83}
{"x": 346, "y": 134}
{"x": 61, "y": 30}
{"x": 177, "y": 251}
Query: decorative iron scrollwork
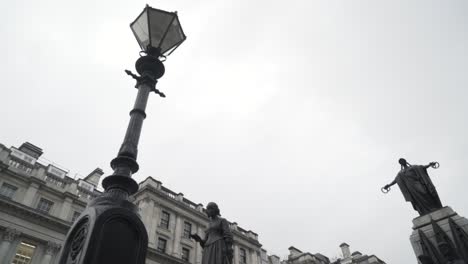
{"x": 79, "y": 240}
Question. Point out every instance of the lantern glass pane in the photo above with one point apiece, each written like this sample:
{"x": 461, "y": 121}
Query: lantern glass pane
{"x": 158, "y": 24}
{"x": 174, "y": 36}
{"x": 140, "y": 29}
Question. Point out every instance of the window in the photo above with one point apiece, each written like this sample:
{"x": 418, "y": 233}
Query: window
{"x": 243, "y": 256}
{"x": 187, "y": 229}
{"x": 8, "y": 190}
{"x": 24, "y": 253}
{"x": 186, "y": 254}
{"x": 165, "y": 220}
{"x": 75, "y": 216}
{"x": 44, "y": 205}
{"x": 162, "y": 244}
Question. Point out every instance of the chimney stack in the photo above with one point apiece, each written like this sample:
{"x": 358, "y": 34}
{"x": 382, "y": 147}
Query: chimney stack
{"x": 94, "y": 177}
{"x": 294, "y": 251}
{"x": 31, "y": 149}
{"x": 345, "y": 250}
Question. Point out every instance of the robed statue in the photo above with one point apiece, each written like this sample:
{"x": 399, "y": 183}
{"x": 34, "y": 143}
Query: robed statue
{"x": 217, "y": 244}
{"x": 417, "y": 187}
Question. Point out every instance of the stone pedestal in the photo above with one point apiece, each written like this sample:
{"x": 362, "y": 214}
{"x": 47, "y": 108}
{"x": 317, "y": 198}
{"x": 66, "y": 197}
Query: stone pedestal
{"x": 427, "y": 226}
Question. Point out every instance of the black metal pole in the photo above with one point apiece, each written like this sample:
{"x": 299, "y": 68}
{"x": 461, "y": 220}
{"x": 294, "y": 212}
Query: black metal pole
{"x": 110, "y": 230}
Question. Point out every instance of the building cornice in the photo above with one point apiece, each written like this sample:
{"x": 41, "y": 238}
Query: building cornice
{"x": 34, "y": 179}
{"x": 16, "y": 209}
{"x": 176, "y": 203}
{"x": 160, "y": 194}
{"x": 245, "y": 238}
{"x": 302, "y": 255}
{"x": 29, "y": 179}
{"x": 72, "y": 196}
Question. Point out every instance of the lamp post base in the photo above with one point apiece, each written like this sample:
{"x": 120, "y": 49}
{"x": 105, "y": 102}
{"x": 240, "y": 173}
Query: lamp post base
{"x": 108, "y": 231}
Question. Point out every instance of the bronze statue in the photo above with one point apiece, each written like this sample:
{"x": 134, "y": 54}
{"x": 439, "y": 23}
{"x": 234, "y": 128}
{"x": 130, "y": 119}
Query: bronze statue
{"x": 417, "y": 187}
{"x": 217, "y": 244}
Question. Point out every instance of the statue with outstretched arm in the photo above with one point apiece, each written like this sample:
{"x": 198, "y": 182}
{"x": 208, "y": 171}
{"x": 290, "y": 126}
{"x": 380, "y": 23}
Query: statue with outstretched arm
{"x": 417, "y": 187}
{"x": 217, "y": 244}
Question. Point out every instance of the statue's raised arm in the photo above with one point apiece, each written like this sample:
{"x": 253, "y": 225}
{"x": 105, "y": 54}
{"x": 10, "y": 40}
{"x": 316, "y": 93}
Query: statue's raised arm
{"x": 386, "y": 188}
{"x": 433, "y": 164}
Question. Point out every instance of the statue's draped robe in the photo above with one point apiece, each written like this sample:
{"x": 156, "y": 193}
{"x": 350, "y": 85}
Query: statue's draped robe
{"x": 417, "y": 188}
{"x": 218, "y": 238}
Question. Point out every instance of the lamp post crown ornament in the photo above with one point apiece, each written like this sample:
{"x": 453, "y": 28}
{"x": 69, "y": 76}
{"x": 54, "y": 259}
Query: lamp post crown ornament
{"x": 110, "y": 229}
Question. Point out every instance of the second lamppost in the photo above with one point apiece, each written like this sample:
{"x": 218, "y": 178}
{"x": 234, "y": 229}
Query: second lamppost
{"x": 109, "y": 230}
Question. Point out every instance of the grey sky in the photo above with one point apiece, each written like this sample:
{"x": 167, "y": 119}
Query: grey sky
{"x": 290, "y": 114}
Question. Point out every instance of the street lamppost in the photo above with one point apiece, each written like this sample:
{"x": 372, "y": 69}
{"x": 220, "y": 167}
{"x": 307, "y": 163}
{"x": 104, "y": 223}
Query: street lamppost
{"x": 109, "y": 230}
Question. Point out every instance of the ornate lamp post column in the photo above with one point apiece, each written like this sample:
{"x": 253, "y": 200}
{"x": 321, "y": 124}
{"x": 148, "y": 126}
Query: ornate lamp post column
{"x": 109, "y": 230}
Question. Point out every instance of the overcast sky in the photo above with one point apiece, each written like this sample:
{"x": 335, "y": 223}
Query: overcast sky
{"x": 291, "y": 115}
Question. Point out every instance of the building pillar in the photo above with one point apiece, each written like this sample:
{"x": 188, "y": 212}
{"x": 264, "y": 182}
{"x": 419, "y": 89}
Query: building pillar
{"x": 236, "y": 253}
{"x": 50, "y": 250}
{"x": 65, "y": 210}
{"x": 177, "y": 235}
{"x": 170, "y": 243}
{"x": 4, "y": 156}
{"x": 154, "y": 225}
{"x": 198, "y": 248}
{"x": 30, "y": 194}
{"x": 46, "y": 258}
{"x": 147, "y": 210}
{"x": 253, "y": 257}
{"x": 9, "y": 235}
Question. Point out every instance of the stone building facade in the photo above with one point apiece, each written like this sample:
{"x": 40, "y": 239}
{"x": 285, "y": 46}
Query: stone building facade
{"x": 296, "y": 256}
{"x": 39, "y": 201}
{"x": 356, "y": 257}
{"x": 269, "y": 259}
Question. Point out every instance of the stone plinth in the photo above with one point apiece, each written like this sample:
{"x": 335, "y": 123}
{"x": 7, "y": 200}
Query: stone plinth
{"x": 441, "y": 218}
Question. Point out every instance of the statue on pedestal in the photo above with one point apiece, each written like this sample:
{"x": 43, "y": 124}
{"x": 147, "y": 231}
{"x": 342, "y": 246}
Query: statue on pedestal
{"x": 417, "y": 187}
{"x": 217, "y": 244}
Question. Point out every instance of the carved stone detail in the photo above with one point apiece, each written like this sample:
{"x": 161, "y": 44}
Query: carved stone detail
{"x": 10, "y": 234}
{"x": 52, "y": 248}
